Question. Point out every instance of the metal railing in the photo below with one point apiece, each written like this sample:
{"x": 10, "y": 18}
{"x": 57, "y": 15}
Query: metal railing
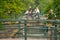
{"x": 30, "y": 28}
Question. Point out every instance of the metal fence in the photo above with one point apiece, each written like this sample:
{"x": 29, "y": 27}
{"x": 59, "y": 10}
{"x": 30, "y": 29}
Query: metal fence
{"x": 38, "y": 29}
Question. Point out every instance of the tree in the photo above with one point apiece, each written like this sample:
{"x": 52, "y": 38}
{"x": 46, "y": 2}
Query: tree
{"x": 57, "y": 8}
{"x": 8, "y": 8}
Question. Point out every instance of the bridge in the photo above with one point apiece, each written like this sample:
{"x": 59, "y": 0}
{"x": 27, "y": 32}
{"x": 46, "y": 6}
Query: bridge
{"x": 30, "y": 29}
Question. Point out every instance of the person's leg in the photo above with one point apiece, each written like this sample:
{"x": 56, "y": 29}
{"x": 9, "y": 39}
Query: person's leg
{"x": 28, "y": 15}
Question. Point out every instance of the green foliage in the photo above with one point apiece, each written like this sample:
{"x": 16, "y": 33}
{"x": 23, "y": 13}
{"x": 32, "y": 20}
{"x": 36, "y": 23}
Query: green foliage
{"x": 1, "y": 26}
{"x": 57, "y": 8}
{"x": 10, "y": 8}
{"x": 46, "y": 5}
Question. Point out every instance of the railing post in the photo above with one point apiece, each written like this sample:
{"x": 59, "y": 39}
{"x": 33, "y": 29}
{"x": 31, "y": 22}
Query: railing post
{"x": 38, "y": 16}
{"x": 19, "y": 28}
{"x": 51, "y": 33}
{"x": 25, "y": 29}
{"x": 55, "y": 31}
{"x": 45, "y": 28}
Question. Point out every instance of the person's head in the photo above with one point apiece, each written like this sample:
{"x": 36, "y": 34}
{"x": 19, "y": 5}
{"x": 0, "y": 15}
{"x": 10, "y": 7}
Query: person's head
{"x": 51, "y": 10}
{"x": 36, "y": 7}
{"x": 29, "y": 6}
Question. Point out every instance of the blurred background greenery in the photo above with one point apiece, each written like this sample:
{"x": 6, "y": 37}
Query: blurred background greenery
{"x": 11, "y": 8}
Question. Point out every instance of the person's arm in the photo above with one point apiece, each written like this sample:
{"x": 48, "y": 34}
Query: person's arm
{"x": 26, "y": 12}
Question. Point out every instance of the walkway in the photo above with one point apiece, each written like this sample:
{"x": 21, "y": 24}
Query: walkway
{"x": 23, "y": 39}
